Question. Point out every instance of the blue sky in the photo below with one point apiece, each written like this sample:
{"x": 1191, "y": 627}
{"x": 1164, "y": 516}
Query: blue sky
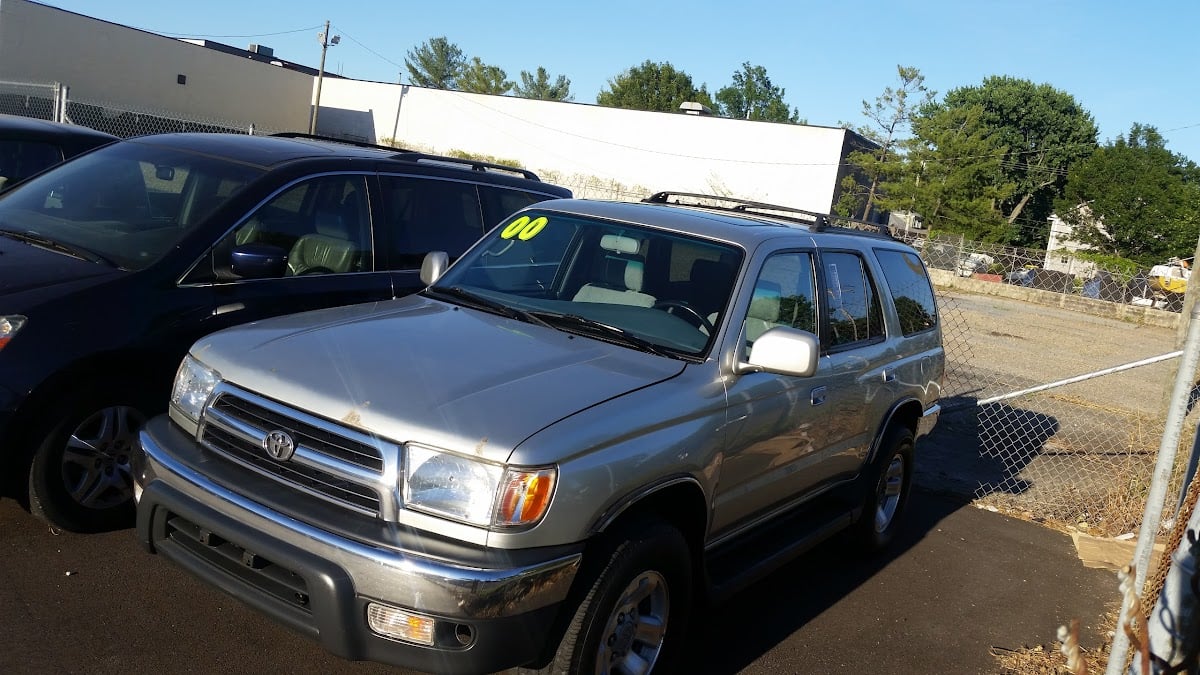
{"x": 1123, "y": 62}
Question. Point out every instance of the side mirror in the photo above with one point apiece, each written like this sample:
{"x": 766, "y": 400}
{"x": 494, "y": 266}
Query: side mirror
{"x": 784, "y": 350}
{"x": 433, "y": 266}
{"x": 258, "y": 261}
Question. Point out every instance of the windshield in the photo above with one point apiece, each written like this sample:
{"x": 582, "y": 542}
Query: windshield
{"x": 126, "y": 204}
{"x": 644, "y": 288}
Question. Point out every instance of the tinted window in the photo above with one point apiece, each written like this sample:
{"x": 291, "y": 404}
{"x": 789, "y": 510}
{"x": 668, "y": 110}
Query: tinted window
{"x": 910, "y": 288}
{"x": 21, "y": 159}
{"x": 127, "y": 203}
{"x": 851, "y": 305}
{"x": 500, "y": 203}
{"x": 425, "y": 214}
{"x": 323, "y": 224}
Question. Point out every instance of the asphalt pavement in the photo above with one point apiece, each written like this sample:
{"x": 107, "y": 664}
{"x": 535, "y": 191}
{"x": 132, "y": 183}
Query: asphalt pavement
{"x": 960, "y": 581}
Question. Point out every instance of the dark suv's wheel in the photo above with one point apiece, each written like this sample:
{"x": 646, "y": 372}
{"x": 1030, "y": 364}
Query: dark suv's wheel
{"x": 889, "y": 481}
{"x": 635, "y": 612}
{"x": 79, "y": 478}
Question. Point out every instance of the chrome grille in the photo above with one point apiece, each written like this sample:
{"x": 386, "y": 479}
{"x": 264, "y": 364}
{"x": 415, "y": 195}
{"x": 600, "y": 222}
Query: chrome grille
{"x": 333, "y": 463}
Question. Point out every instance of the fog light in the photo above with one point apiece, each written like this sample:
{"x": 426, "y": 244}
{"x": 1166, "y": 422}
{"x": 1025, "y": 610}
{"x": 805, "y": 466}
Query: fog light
{"x": 397, "y": 623}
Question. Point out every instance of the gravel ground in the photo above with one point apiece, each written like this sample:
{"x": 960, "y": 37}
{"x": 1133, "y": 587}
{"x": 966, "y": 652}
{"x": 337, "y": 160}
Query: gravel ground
{"x": 1081, "y": 452}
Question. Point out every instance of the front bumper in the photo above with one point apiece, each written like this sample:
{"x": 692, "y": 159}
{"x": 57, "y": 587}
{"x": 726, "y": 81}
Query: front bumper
{"x": 490, "y": 616}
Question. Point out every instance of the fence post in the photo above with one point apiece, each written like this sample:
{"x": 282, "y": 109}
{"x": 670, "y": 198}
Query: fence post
{"x": 1167, "y": 449}
{"x": 1173, "y": 631}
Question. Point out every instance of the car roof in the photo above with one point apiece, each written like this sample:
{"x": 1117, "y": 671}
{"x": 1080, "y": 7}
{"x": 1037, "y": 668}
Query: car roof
{"x": 267, "y": 152}
{"x": 33, "y": 128}
{"x": 748, "y": 227}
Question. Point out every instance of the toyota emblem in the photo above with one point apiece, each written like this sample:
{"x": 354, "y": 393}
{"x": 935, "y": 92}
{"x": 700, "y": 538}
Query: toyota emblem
{"x": 279, "y": 445}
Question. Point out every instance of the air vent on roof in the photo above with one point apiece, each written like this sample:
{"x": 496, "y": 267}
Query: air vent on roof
{"x": 261, "y": 50}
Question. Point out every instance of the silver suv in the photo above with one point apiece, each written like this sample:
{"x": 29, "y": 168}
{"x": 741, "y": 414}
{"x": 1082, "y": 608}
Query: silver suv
{"x": 600, "y": 415}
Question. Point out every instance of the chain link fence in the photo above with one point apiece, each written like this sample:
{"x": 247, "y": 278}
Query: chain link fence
{"x": 52, "y": 101}
{"x": 42, "y": 101}
{"x": 1056, "y": 271}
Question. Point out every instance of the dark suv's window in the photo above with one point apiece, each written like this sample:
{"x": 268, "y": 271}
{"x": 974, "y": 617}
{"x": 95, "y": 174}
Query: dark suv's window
{"x": 323, "y": 224}
{"x": 851, "y": 304}
{"x": 910, "y": 288}
{"x": 20, "y": 159}
{"x": 427, "y": 214}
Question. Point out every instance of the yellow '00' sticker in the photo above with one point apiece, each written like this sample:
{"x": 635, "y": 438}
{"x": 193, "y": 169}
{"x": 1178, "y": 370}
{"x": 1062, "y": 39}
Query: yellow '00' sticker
{"x": 523, "y": 228}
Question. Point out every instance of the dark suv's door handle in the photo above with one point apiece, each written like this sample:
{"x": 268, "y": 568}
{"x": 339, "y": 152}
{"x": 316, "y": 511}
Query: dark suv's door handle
{"x": 889, "y": 375}
{"x": 817, "y": 396}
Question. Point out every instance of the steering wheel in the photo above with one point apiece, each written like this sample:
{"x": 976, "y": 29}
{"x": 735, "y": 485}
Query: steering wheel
{"x": 689, "y": 314}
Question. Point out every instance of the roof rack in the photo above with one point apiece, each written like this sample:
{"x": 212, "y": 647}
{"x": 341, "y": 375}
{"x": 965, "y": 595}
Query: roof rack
{"x": 473, "y": 164}
{"x": 413, "y": 156}
{"x": 343, "y": 141}
{"x": 816, "y": 222}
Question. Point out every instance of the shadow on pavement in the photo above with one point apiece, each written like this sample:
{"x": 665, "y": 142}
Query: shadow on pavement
{"x": 727, "y": 638}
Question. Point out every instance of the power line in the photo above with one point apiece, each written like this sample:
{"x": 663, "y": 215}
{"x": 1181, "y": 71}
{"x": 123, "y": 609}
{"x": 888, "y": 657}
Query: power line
{"x": 256, "y": 35}
{"x": 360, "y": 44}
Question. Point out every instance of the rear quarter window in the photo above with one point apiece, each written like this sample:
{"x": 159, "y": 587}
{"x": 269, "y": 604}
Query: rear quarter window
{"x": 911, "y": 291}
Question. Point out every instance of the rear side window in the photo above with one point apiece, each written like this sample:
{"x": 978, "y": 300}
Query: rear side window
{"x": 851, "y": 304}
{"x": 910, "y": 289}
{"x": 500, "y": 203}
{"x": 426, "y": 214}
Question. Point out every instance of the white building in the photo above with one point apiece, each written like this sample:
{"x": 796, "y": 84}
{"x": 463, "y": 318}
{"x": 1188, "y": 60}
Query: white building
{"x": 1061, "y": 250}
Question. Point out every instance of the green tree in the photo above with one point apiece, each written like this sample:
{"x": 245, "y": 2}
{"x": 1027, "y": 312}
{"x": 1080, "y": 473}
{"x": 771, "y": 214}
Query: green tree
{"x": 949, "y": 175}
{"x": 1135, "y": 199}
{"x": 1045, "y": 131}
{"x": 540, "y": 87}
{"x": 437, "y": 63}
{"x": 479, "y": 78}
{"x": 652, "y": 86}
{"x": 751, "y": 96}
{"x": 890, "y": 117}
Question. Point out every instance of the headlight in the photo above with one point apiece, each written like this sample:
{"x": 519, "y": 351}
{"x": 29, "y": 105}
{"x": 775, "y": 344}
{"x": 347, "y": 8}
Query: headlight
{"x": 9, "y": 325}
{"x": 194, "y": 383}
{"x": 473, "y": 491}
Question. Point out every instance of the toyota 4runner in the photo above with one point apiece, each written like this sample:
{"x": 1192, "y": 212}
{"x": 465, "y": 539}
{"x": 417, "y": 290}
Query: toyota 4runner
{"x": 600, "y": 415}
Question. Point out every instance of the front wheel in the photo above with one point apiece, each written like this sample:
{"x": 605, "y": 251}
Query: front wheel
{"x": 888, "y": 486}
{"x": 635, "y": 613}
{"x": 79, "y": 478}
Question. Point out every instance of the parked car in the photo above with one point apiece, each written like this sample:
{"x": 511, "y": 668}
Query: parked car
{"x": 1024, "y": 276}
{"x": 29, "y": 145}
{"x": 116, "y": 261}
{"x": 544, "y": 458}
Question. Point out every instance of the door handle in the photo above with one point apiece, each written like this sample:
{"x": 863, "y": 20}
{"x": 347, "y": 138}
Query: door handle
{"x": 889, "y": 375}
{"x": 817, "y": 396}
{"x": 226, "y": 309}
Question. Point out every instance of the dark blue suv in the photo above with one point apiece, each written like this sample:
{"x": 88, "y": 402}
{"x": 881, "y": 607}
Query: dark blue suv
{"x": 113, "y": 263}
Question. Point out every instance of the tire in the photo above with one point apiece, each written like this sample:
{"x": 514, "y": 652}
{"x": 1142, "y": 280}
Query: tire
{"x": 887, "y": 487}
{"x": 79, "y": 476}
{"x": 636, "y": 608}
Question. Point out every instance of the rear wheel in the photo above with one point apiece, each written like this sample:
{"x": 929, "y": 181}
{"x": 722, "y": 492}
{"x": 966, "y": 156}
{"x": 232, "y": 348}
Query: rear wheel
{"x": 79, "y": 478}
{"x": 635, "y": 612}
{"x": 889, "y": 483}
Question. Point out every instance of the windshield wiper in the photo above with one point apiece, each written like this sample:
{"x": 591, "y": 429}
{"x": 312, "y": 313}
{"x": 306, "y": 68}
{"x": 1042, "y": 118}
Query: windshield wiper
{"x": 45, "y": 242}
{"x": 620, "y": 335}
{"x": 487, "y": 304}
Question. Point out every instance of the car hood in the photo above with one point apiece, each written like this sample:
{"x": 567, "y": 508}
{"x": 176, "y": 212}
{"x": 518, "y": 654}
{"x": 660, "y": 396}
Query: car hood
{"x": 24, "y": 267}
{"x": 420, "y": 370}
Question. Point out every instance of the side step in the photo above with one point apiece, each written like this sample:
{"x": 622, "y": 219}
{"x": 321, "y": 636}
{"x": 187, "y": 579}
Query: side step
{"x": 749, "y": 558}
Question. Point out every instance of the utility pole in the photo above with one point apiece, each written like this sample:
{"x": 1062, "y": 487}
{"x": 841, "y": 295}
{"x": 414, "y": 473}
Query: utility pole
{"x": 326, "y": 42}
